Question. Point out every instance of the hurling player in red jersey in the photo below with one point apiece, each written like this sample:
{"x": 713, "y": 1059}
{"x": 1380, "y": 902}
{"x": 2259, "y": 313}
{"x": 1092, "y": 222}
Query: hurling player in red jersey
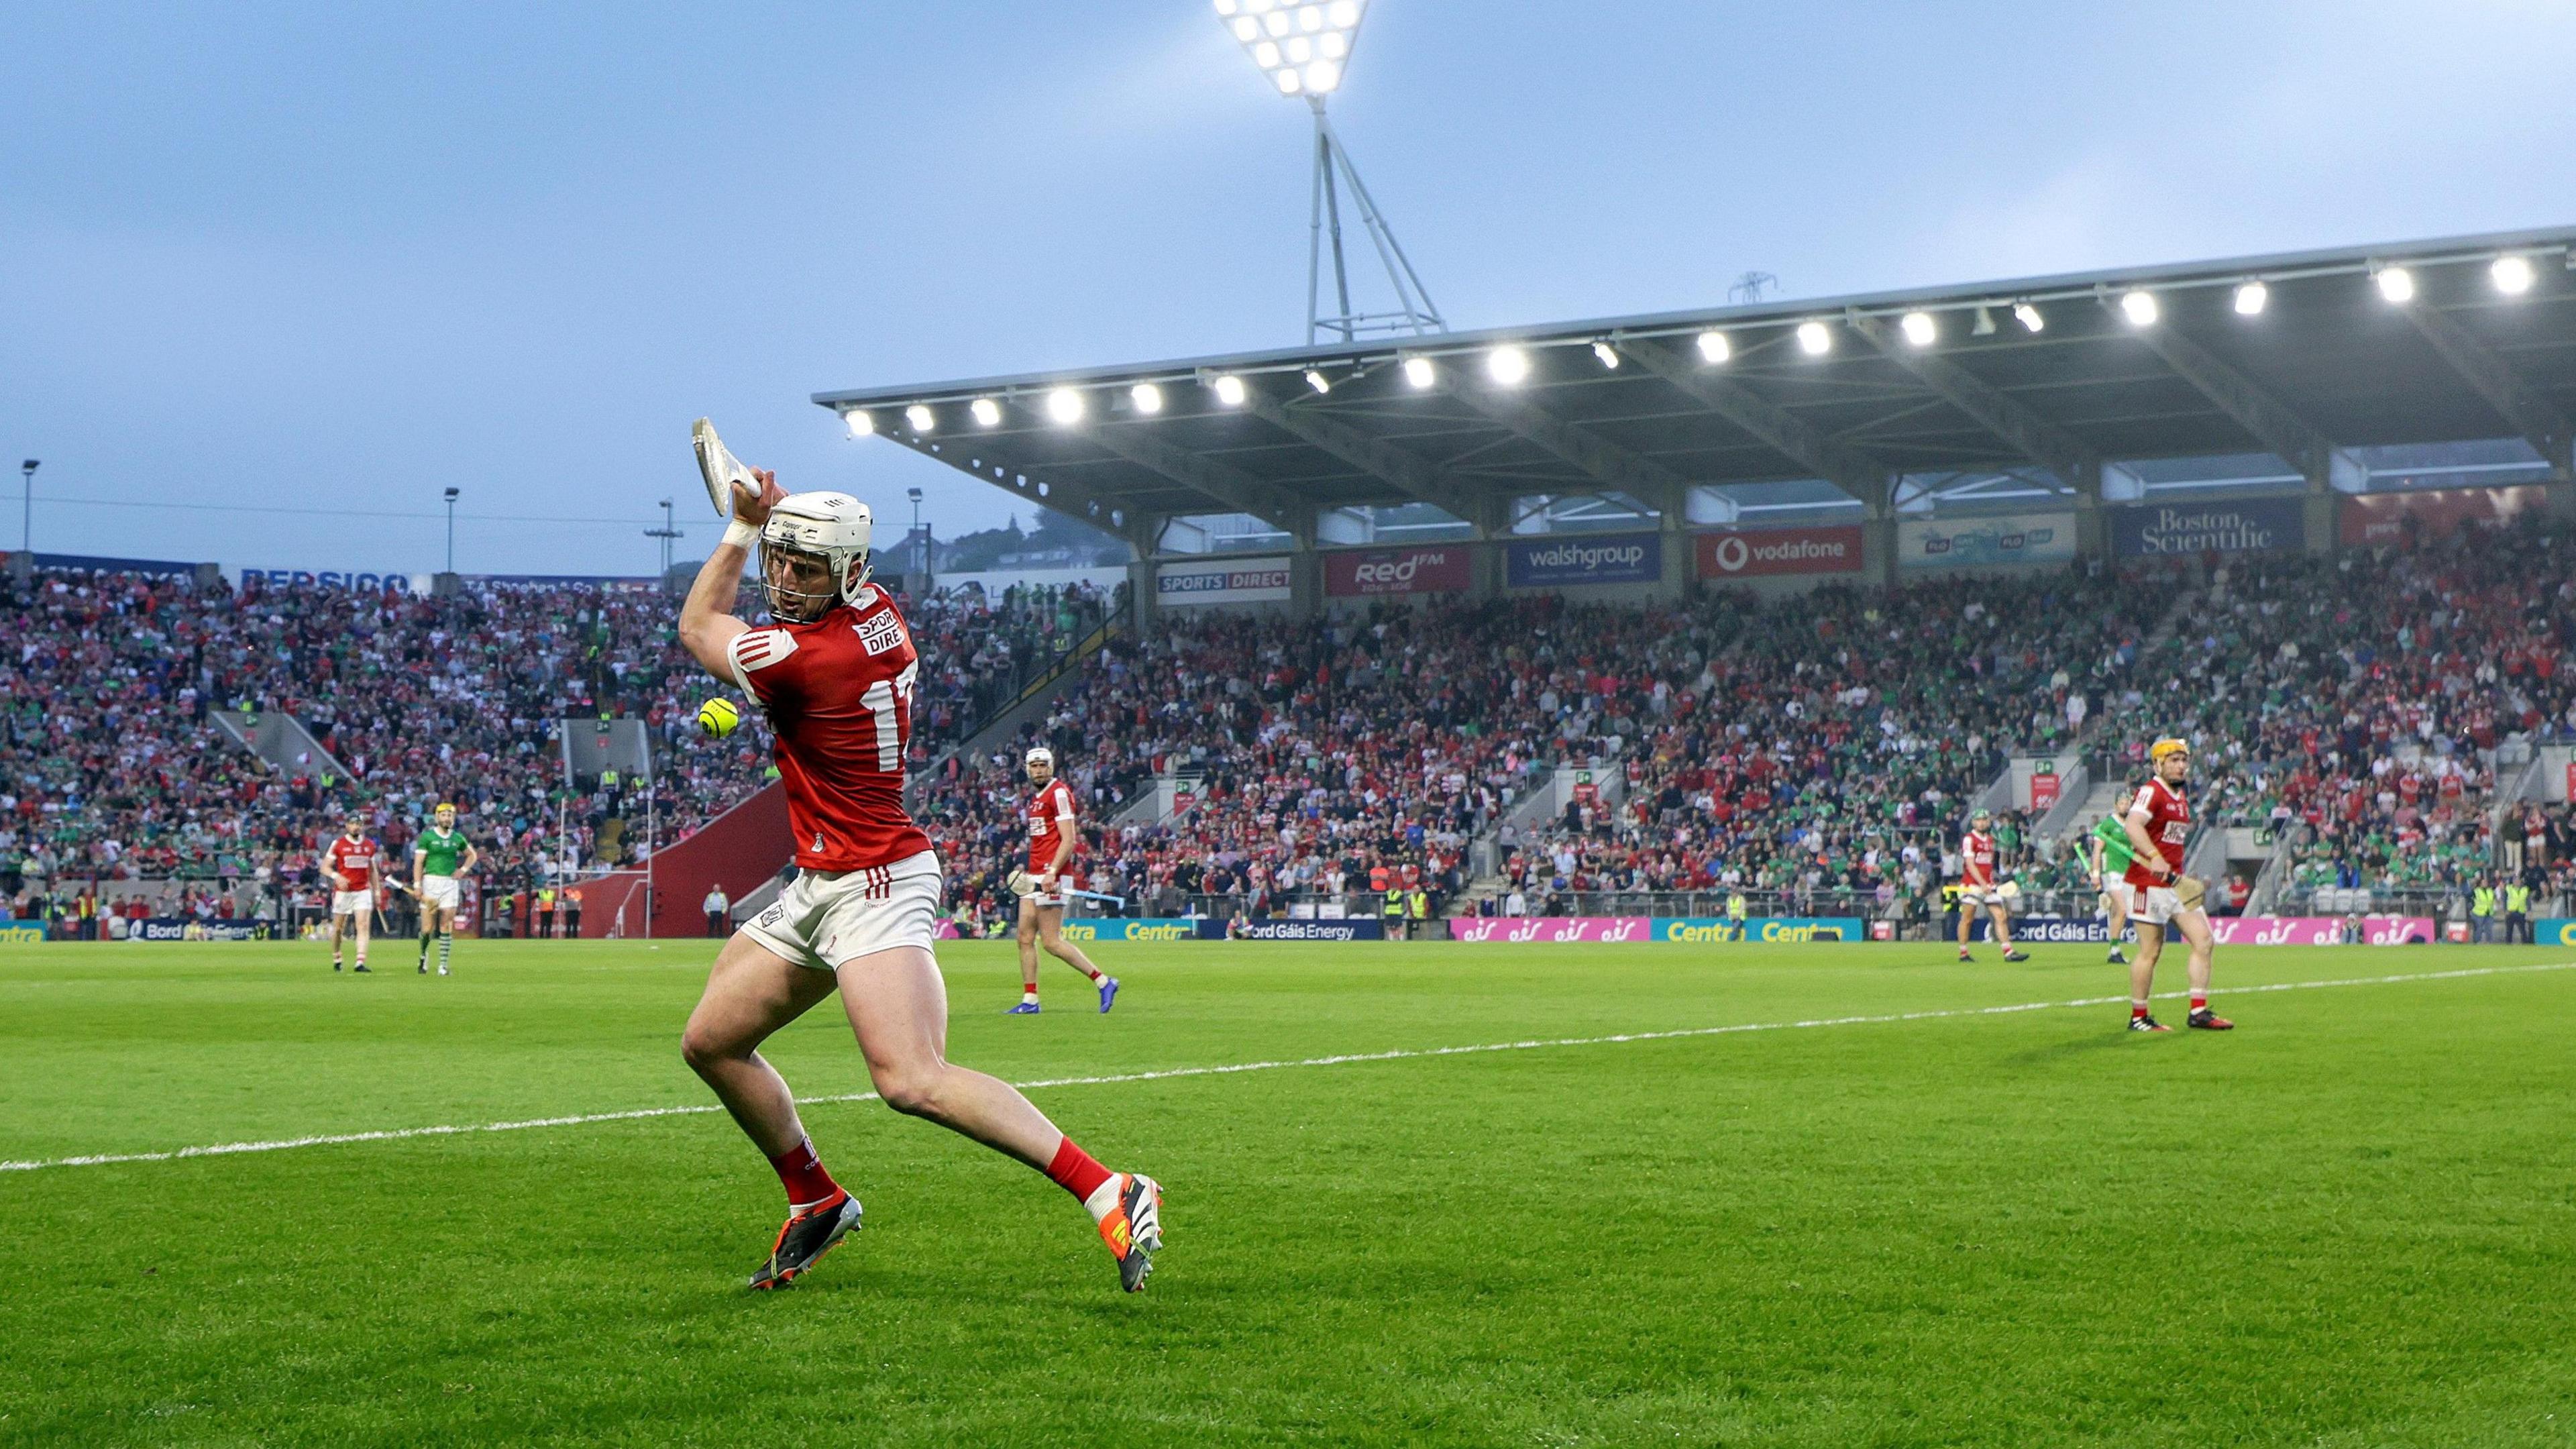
{"x": 2159, "y": 822}
{"x": 1978, "y": 887}
{"x": 835, "y": 674}
{"x": 1053, "y": 833}
{"x": 349, "y": 863}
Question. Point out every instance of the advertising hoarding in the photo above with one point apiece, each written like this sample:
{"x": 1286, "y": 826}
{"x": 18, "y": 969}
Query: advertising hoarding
{"x": 1223, "y": 581}
{"x": 1603, "y": 558}
{"x": 1757, "y": 551}
{"x": 2011, "y": 538}
{"x": 1377, "y": 572}
{"x": 2187, "y": 530}
{"x": 2373, "y": 520}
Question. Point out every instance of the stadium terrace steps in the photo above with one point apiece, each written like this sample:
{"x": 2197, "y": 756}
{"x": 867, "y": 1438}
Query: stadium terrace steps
{"x": 279, "y": 738}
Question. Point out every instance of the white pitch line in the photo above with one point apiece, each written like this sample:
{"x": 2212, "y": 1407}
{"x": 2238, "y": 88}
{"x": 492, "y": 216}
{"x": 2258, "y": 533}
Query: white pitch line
{"x": 396, "y": 1134}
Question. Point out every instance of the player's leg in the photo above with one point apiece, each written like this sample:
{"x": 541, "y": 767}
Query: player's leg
{"x": 2142, "y": 973}
{"x": 446, "y": 933}
{"x": 363, "y": 914}
{"x": 1967, "y": 919}
{"x": 2003, "y": 931}
{"x": 2116, "y": 893}
{"x": 339, "y": 919}
{"x": 2203, "y": 943}
{"x": 1051, "y": 937}
{"x": 1028, "y": 942}
{"x": 428, "y": 908}
{"x": 898, "y": 1007}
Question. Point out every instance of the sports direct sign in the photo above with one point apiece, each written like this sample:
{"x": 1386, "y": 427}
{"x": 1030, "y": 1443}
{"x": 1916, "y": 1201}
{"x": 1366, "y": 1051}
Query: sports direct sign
{"x": 2164, "y": 530}
{"x": 1382, "y": 571}
{"x": 1615, "y": 558}
{"x": 1779, "y": 551}
{"x": 1233, "y": 581}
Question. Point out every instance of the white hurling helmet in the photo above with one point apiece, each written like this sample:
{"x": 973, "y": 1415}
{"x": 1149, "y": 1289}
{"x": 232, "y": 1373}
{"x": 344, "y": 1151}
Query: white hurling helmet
{"x": 833, "y": 527}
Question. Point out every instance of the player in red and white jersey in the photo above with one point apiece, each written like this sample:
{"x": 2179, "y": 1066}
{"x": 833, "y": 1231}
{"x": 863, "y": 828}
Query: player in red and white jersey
{"x": 2159, "y": 823}
{"x": 835, "y": 673}
{"x": 1979, "y": 888}
{"x": 349, "y": 863}
{"x": 1053, "y": 833}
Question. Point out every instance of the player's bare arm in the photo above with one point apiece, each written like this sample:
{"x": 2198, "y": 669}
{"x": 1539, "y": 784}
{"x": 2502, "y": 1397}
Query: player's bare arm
{"x": 708, "y": 625}
{"x": 2141, "y": 845}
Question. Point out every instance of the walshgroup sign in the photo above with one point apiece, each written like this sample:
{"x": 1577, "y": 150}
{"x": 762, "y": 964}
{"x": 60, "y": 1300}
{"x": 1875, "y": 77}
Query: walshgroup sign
{"x": 2162, "y": 530}
{"x": 1381, "y": 571}
{"x": 1610, "y": 558}
{"x": 1779, "y": 551}
{"x": 1230, "y": 581}
{"x": 2011, "y": 538}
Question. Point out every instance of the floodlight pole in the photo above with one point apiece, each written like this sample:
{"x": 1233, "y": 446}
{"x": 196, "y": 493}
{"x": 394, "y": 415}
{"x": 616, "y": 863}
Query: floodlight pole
{"x": 1416, "y": 312}
{"x": 27, "y": 508}
{"x": 451, "y": 530}
{"x": 666, "y": 533}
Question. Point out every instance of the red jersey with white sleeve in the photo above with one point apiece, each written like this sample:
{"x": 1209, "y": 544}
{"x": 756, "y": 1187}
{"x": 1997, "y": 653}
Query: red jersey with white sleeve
{"x": 838, "y": 693}
{"x": 1051, "y": 822}
{"x": 2161, "y": 808}
{"x": 1977, "y": 860}
{"x": 355, "y": 860}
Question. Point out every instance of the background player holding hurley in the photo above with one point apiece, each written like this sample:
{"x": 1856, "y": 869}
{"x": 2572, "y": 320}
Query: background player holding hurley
{"x": 835, "y": 674}
{"x": 2111, "y": 857}
{"x": 350, "y": 865}
{"x": 2159, "y": 824}
{"x": 1979, "y": 888}
{"x": 1052, "y": 833}
{"x": 438, "y": 857}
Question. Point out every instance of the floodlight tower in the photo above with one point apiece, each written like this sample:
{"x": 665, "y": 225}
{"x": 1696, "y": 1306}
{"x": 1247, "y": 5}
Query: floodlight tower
{"x": 1304, "y": 46}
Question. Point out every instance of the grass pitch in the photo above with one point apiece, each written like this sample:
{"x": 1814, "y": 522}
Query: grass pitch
{"x": 2352, "y": 1222}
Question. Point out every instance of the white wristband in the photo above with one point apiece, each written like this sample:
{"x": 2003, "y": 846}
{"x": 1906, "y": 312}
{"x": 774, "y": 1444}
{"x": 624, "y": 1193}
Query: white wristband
{"x": 741, "y": 534}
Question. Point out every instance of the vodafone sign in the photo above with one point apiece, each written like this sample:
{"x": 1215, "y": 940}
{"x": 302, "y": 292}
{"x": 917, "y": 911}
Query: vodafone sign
{"x": 1396, "y": 571}
{"x": 1780, "y": 551}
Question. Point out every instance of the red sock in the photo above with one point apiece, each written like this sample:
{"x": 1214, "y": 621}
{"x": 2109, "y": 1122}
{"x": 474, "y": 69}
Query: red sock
{"x": 2200, "y": 1001}
{"x": 802, "y": 1174}
{"x": 2136, "y": 1010}
{"x": 1075, "y": 1172}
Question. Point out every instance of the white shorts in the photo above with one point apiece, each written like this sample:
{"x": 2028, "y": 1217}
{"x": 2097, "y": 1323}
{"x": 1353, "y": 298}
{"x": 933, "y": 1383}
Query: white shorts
{"x": 827, "y": 917}
{"x": 2158, "y": 905}
{"x": 353, "y": 903}
{"x": 2122, "y": 894}
{"x": 439, "y": 891}
{"x": 1985, "y": 895}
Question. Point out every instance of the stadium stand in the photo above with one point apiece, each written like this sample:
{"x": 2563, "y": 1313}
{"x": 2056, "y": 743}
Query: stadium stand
{"x": 117, "y": 777}
{"x": 2365, "y": 711}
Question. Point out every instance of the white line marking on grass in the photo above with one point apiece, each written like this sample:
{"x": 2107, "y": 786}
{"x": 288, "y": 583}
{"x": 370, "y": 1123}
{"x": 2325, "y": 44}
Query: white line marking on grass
{"x": 397, "y": 1134}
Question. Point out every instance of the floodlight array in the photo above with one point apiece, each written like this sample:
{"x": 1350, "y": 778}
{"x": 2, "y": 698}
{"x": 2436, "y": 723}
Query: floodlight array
{"x": 1510, "y": 364}
{"x": 1302, "y": 45}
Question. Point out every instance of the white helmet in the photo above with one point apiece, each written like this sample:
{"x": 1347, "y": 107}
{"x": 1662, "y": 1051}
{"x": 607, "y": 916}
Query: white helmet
{"x": 833, "y": 527}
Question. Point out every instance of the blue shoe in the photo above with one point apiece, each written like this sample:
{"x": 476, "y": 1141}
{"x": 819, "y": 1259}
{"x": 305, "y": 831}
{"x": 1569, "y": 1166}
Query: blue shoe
{"x": 1108, "y": 993}
{"x": 1025, "y": 1008}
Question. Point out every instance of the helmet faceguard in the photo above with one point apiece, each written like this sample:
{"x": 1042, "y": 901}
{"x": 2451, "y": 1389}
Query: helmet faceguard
{"x": 832, "y": 529}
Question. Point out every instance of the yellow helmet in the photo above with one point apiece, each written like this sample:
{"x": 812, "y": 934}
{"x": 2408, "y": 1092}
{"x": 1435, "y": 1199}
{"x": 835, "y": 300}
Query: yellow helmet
{"x": 2168, "y": 746}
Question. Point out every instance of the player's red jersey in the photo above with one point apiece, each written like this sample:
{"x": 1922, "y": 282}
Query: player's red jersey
{"x": 838, "y": 692}
{"x": 2168, "y": 820}
{"x": 1050, "y": 821}
{"x": 1977, "y": 859}
{"x": 355, "y": 860}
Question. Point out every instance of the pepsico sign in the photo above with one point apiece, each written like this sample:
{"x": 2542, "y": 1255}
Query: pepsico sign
{"x": 1779, "y": 551}
{"x": 1377, "y": 572}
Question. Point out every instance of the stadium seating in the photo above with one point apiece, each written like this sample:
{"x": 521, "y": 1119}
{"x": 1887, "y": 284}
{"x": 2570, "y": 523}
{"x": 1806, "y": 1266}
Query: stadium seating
{"x": 1815, "y": 751}
{"x": 114, "y": 771}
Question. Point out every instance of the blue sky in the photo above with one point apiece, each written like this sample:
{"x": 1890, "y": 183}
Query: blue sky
{"x": 340, "y": 257}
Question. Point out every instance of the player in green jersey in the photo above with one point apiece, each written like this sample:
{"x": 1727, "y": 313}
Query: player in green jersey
{"x": 438, "y": 857}
{"x": 2111, "y": 857}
